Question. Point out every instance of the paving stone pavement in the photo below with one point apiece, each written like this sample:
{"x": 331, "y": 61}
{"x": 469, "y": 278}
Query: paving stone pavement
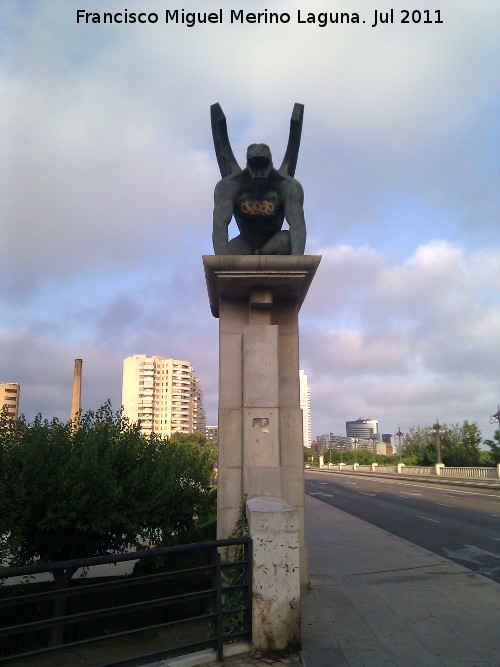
{"x": 259, "y": 660}
{"x": 377, "y": 600}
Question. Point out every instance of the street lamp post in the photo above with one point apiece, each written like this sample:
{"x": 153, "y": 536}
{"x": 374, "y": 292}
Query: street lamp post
{"x": 374, "y": 440}
{"x": 400, "y": 435}
{"x": 495, "y": 419}
{"x": 437, "y": 428}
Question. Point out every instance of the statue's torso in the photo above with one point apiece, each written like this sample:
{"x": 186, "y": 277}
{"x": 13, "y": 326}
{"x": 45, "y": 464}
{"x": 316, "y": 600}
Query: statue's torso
{"x": 259, "y": 207}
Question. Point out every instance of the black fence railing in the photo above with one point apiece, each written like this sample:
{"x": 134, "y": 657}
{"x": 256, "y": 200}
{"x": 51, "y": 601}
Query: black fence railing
{"x": 176, "y": 600}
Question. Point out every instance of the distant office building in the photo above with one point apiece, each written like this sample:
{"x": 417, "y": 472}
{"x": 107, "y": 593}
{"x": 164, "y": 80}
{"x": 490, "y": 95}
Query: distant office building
{"x": 316, "y": 444}
{"x": 163, "y": 394}
{"x": 9, "y": 395}
{"x": 363, "y": 443}
{"x": 362, "y": 428}
{"x": 390, "y": 447}
{"x": 212, "y": 434}
{"x": 340, "y": 442}
{"x": 305, "y": 406}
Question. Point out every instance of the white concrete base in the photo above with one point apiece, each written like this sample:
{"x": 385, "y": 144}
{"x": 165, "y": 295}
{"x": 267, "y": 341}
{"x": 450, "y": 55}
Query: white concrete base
{"x": 205, "y": 657}
{"x": 274, "y": 529}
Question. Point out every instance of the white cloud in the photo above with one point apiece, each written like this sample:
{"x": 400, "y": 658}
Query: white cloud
{"x": 422, "y": 334}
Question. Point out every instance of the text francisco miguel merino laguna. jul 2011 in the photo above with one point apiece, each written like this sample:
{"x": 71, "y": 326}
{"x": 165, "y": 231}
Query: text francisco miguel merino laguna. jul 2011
{"x": 239, "y": 16}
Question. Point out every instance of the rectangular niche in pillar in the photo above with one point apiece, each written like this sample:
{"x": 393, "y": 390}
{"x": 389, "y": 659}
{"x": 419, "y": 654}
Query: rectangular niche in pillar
{"x": 260, "y": 366}
{"x": 261, "y": 437}
{"x": 261, "y": 453}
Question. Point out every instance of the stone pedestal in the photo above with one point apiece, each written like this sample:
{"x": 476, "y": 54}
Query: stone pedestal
{"x": 257, "y": 299}
{"x": 274, "y": 529}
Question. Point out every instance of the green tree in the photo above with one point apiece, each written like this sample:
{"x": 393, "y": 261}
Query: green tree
{"x": 486, "y": 459}
{"x": 195, "y": 438}
{"x": 361, "y": 456}
{"x": 385, "y": 460}
{"x": 415, "y": 446}
{"x": 311, "y": 457}
{"x": 331, "y": 455}
{"x": 103, "y": 488}
{"x": 460, "y": 445}
{"x": 494, "y": 446}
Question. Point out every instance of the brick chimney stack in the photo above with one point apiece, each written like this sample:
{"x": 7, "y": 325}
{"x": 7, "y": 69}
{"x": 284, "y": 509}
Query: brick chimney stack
{"x": 76, "y": 397}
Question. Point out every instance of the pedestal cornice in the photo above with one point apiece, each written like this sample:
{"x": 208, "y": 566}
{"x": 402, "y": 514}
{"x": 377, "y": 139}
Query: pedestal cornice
{"x": 235, "y": 276}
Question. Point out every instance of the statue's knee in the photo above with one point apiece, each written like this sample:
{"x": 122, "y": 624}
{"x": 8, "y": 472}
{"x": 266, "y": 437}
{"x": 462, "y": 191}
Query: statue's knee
{"x": 279, "y": 244}
{"x": 240, "y": 246}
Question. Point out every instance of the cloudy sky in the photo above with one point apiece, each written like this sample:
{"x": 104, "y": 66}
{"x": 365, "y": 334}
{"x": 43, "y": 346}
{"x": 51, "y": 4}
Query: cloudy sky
{"x": 107, "y": 176}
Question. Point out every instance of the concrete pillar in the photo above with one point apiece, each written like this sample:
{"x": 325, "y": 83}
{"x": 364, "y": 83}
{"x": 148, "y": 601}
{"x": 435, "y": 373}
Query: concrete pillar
{"x": 274, "y": 529}
{"x": 400, "y": 467}
{"x": 438, "y": 467}
{"x": 257, "y": 299}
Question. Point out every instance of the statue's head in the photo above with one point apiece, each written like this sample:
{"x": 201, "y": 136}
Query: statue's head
{"x": 259, "y": 161}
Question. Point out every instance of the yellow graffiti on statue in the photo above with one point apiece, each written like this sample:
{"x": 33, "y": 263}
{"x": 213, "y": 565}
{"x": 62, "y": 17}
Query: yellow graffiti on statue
{"x": 257, "y": 207}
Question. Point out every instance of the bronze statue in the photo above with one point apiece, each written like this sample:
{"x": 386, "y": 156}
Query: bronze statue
{"x": 259, "y": 197}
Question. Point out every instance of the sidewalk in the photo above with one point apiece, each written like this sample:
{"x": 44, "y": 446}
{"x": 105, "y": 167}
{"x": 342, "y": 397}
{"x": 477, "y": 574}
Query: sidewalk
{"x": 376, "y": 600}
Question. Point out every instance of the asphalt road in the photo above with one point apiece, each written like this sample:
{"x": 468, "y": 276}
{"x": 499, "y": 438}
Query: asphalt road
{"x": 461, "y": 524}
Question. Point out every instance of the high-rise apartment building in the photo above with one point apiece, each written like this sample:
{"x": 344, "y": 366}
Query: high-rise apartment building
{"x": 305, "y": 406}
{"x": 9, "y": 395}
{"x": 163, "y": 394}
{"x": 212, "y": 434}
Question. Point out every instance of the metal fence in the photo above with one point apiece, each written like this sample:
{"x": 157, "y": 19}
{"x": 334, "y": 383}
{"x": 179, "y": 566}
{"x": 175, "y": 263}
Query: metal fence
{"x": 176, "y": 601}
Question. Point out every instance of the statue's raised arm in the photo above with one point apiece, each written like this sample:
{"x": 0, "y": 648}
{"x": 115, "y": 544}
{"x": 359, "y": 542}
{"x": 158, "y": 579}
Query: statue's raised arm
{"x": 259, "y": 197}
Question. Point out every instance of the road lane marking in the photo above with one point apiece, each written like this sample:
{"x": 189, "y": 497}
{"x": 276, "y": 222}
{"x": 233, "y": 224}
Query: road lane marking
{"x": 428, "y": 519}
{"x": 408, "y": 493}
{"x": 367, "y": 494}
{"x": 443, "y": 505}
{"x": 470, "y": 553}
{"x": 437, "y": 486}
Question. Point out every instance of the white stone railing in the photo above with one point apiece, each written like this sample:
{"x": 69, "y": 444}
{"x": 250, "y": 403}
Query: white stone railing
{"x": 419, "y": 470}
{"x": 476, "y": 473}
{"x": 437, "y": 469}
